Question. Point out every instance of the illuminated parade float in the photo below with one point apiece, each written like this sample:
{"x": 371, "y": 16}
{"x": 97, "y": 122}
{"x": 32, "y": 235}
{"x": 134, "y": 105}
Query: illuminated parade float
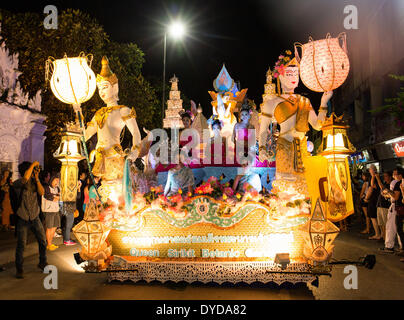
{"x": 250, "y": 204}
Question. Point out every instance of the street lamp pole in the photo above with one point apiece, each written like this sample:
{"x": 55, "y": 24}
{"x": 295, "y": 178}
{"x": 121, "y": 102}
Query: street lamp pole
{"x": 164, "y": 79}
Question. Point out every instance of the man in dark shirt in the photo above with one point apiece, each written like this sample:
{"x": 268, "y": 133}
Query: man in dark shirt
{"x": 26, "y": 191}
{"x": 383, "y": 203}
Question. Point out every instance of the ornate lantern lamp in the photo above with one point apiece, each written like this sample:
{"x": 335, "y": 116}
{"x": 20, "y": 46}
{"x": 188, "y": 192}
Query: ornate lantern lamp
{"x": 319, "y": 234}
{"x": 324, "y": 65}
{"x": 69, "y": 153}
{"x": 72, "y": 81}
{"x": 335, "y": 142}
{"x": 336, "y": 147}
{"x": 92, "y": 233}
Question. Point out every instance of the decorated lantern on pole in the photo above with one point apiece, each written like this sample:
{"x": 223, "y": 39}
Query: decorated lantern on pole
{"x": 69, "y": 153}
{"x": 324, "y": 64}
{"x": 336, "y": 147}
{"x": 91, "y": 234}
{"x": 73, "y": 82}
{"x": 319, "y": 234}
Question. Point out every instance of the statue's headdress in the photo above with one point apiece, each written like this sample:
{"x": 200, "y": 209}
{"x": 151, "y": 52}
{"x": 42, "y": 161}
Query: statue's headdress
{"x": 106, "y": 72}
{"x": 284, "y": 61}
{"x": 246, "y": 106}
{"x": 185, "y": 114}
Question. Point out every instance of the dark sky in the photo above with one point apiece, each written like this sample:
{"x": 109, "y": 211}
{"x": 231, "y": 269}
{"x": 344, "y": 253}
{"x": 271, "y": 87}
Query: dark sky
{"x": 246, "y": 35}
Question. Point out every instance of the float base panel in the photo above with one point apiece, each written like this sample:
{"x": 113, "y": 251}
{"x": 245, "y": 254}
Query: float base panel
{"x": 205, "y": 272}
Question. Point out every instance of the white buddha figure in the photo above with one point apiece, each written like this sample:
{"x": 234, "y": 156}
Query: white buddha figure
{"x": 108, "y": 123}
{"x": 293, "y": 113}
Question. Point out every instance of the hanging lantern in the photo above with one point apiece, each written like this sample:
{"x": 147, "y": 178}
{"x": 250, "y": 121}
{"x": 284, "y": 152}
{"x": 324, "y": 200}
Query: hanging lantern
{"x": 324, "y": 65}
{"x": 72, "y": 80}
{"x": 319, "y": 234}
{"x": 92, "y": 233}
{"x": 69, "y": 153}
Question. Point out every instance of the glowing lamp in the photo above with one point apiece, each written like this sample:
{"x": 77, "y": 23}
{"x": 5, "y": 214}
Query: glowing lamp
{"x": 69, "y": 153}
{"x": 91, "y": 233}
{"x": 177, "y": 30}
{"x": 335, "y": 144}
{"x": 324, "y": 64}
{"x": 319, "y": 235}
{"x": 72, "y": 80}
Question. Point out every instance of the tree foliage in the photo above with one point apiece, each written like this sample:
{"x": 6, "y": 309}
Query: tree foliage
{"x": 77, "y": 31}
{"x": 395, "y": 105}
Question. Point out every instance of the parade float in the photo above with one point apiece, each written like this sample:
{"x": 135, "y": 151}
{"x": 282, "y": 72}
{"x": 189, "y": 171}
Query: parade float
{"x": 280, "y": 231}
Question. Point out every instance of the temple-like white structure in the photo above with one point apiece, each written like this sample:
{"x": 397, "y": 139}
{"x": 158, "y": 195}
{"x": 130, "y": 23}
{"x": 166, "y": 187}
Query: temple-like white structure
{"x": 21, "y": 121}
{"x": 174, "y": 106}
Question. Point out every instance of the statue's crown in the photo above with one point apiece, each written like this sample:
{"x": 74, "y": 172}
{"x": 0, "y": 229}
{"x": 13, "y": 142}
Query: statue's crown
{"x": 106, "y": 72}
{"x": 292, "y": 62}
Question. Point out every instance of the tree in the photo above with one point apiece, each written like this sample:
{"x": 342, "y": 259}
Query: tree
{"x": 395, "y": 105}
{"x": 77, "y": 31}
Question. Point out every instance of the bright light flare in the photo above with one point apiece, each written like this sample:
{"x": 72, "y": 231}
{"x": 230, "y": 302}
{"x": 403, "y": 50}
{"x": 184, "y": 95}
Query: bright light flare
{"x": 177, "y": 30}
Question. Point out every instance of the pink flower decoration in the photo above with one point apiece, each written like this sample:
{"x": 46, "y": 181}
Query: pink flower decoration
{"x": 228, "y": 191}
{"x": 281, "y": 57}
{"x": 281, "y": 69}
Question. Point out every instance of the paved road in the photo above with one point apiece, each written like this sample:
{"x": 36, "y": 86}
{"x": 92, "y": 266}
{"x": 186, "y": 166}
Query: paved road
{"x": 385, "y": 281}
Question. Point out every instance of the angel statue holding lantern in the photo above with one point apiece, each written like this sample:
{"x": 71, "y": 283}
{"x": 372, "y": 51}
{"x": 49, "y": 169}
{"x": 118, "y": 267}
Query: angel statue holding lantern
{"x": 108, "y": 123}
{"x": 293, "y": 113}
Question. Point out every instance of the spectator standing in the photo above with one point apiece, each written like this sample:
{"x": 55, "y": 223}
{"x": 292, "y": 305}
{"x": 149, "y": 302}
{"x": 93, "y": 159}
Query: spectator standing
{"x": 24, "y": 200}
{"x": 80, "y": 195}
{"x": 5, "y": 184}
{"x": 50, "y": 208}
{"x": 44, "y": 177}
{"x": 391, "y": 226}
{"x": 86, "y": 194}
{"x": 400, "y": 215}
{"x": 383, "y": 203}
{"x": 371, "y": 198}
{"x": 364, "y": 205}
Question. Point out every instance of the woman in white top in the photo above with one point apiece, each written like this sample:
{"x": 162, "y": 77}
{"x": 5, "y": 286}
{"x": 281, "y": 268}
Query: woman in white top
{"x": 50, "y": 207}
{"x": 364, "y": 205}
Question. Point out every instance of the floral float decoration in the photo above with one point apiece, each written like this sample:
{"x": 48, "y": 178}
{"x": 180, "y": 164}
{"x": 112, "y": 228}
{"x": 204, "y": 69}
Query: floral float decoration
{"x": 213, "y": 201}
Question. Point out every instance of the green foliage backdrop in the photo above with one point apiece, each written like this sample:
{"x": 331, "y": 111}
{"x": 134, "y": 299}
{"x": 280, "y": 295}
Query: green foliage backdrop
{"x": 77, "y": 31}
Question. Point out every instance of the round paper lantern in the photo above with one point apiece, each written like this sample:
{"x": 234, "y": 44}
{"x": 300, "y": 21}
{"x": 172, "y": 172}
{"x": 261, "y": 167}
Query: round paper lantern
{"x": 72, "y": 80}
{"x": 324, "y": 64}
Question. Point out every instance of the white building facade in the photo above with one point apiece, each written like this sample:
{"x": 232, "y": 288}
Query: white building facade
{"x": 21, "y": 122}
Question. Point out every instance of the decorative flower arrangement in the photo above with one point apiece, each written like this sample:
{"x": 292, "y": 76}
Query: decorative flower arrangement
{"x": 153, "y": 194}
{"x": 280, "y": 65}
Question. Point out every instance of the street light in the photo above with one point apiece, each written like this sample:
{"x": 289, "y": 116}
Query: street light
{"x": 176, "y": 31}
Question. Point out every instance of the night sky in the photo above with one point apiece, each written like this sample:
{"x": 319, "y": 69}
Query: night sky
{"x": 247, "y": 36}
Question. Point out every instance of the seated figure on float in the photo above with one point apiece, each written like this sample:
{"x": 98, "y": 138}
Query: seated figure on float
{"x": 247, "y": 179}
{"x": 293, "y": 113}
{"x": 179, "y": 178}
{"x": 108, "y": 123}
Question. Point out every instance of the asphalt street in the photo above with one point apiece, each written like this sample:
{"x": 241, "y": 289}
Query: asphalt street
{"x": 384, "y": 281}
